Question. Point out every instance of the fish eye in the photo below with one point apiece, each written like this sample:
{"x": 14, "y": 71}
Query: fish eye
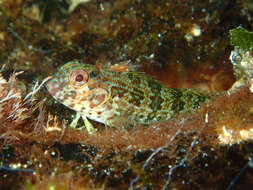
{"x": 78, "y": 77}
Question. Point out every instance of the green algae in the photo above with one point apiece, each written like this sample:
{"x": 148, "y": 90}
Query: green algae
{"x": 242, "y": 38}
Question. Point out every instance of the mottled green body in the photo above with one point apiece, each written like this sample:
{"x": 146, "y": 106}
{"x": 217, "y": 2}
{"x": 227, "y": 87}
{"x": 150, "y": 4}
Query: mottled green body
{"x": 119, "y": 98}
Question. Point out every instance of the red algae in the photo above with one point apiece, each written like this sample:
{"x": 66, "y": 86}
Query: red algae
{"x": 49, "y": 144}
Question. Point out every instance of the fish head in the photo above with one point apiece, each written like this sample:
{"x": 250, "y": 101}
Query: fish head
{"x": 78, "y": 86}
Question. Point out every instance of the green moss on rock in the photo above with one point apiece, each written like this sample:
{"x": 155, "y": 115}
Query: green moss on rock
{"x": 242, "y": 38}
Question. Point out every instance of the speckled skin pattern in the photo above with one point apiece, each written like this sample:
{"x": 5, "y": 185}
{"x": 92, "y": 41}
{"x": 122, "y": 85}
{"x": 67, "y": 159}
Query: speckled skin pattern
{"x": 117, "y": 97}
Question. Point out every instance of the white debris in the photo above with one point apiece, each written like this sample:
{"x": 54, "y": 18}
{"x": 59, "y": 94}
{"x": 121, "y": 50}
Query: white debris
{"x": 194, "y": 31}
{"x": 76, "y": 3}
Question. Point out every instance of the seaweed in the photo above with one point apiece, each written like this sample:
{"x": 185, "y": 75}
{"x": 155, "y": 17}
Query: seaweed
{"x": 242, "y": 38}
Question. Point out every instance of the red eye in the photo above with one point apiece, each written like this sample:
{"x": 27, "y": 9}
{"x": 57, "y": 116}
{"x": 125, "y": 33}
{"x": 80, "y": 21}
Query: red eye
{"x": 78, "y": 77}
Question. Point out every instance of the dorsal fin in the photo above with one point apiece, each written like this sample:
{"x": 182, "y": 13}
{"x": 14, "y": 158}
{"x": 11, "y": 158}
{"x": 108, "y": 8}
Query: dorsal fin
{"x": 123, "y": 66}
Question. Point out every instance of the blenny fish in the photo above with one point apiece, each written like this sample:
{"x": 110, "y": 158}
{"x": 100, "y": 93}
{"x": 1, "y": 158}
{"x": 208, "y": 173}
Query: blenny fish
{"x": 118, "y": 96}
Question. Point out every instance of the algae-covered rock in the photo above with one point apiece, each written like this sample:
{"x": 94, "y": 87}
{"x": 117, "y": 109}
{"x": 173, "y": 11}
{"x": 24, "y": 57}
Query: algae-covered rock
{"x": 242, "y": 57}
{"x": 242, "y": 38}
